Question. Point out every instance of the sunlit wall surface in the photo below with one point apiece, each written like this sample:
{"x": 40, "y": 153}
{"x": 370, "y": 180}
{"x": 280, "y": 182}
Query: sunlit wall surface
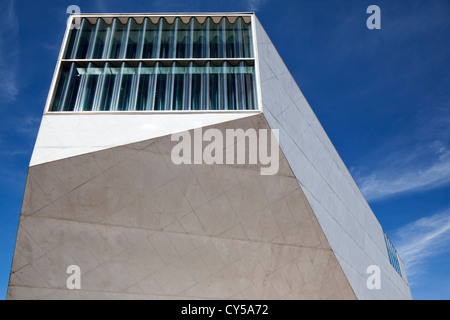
{"x": 157, "y": 64}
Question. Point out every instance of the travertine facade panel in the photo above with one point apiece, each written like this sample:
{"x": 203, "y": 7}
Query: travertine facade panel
{"x": 141, "y": 227}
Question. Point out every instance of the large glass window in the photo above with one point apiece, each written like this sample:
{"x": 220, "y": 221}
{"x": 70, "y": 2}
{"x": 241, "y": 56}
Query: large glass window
{"x": 198, "y": 38}
{"x": 159, "y": 87}
{"x": 157, "y": 64}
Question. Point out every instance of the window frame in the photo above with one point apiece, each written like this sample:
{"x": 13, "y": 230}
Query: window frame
{"x": 124, "y": 17}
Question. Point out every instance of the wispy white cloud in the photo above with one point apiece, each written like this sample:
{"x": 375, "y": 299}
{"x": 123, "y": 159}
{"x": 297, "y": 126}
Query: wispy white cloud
{"x": 9, "y": 50}
{"x": 255, "y": 5}
{"x": 13, "y": 152}
{"x": 52, "y": 47}
{"x": 421, "y": 240}
{"x": 23, "y": 130}
{"x": 398, "y": 180}
{"x": 28, "y": 126}
{"x": 413, "y": 161}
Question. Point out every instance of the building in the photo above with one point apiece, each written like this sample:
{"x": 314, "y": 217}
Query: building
{"x": 104, "y": 194}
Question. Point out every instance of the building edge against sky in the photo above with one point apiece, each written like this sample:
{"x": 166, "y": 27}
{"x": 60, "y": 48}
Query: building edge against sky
{"x": 80, "y": 151}
{"x": 354, "y": 233}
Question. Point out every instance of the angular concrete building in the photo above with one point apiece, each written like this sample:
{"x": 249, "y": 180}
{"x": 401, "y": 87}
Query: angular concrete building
{"x": 104, "y": 194}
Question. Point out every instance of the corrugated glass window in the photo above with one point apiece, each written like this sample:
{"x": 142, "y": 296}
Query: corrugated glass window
{"x": 161, "y": 87}
{"x": 157, "y": 64}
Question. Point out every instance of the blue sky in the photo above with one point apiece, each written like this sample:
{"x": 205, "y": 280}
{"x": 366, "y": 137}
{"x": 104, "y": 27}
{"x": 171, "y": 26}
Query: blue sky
{"x": 382, "y": 96}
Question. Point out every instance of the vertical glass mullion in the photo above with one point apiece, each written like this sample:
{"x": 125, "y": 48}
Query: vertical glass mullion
{"x": 248, "y": 40}
{"x": 163, "y": 39}
{"x": 195, "y": 99}
{"x": 151, "y": 88}
{"x": 93, "y": 42}
{"x": 83, "y": 92}
{"x": 126, "y": 85}
{"x": 72, "y": 93}
{"x": 235, "y": 87}
{"x": 239, "y": 44}
{"x": 110, "y": 75}
{"x": 141, "y": 39}
{"x": 159, "y": 39}
{"x": 85, "y": 39}
{"x": 188, "y": 39}
{"x": 124, "y": 40}
{"x": 133, "y": 39}
{"x": 213, "y": 88}
{"x": 238, "y": 91}
{"x": 74, "y": 85}
{"x": 187, "y": 88}
{"x": 117, "y": 50}
{"x": 71, "y": 43}
{"x": 134, "y": 87}
{"x": 144, "y": 88}
{"x": 192, "y": 38}
{"x": 76, "y": 42}
{"x": 157, "y": 43}
{"x": 173, "y": 37}
{"x": 67, "y": 87}
{"x": 89, "y": 89}
{"x": 160, "y": 88}
{"x": 126, "y": 44}
{"x": 169, "y": 86}
{"x": 141, "y": 92}
{"x": 241, "y": 88}
{"x": 147, "y": 39}
{"x": 108, "y": 39}
{"x": 96, "y": 88}
{"x": 183, "y": 40}
{"x": 99, "y": 90}
{"x": 178, "y": 86}
{"x": 179, "y": 37}
{"x": 252, "y": 89}
{"x": 218, "y": 87}
{"x": 78, "y": 104}
{"x": 63, "y": 80}
{"x": 230, "y": 40}
{"x": 151, "y": 40}
{"x": 223, "y": 38}
{"x": 111, "y": 38}
{"x": 60, "y": 91}
{"x": 101, "y": 39}
{"x": 231, "y": 91}
{"x": 223, "y": 87}
{"x": 199, "y": 40}
{"x": 203, "y": 88}
{"x": 207, "y": 33}
{"x": 249, "y": 88}
{"x": 205, "y": 85}
{"x": 213, "y": 42}
{"x": 116, "y": 90}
